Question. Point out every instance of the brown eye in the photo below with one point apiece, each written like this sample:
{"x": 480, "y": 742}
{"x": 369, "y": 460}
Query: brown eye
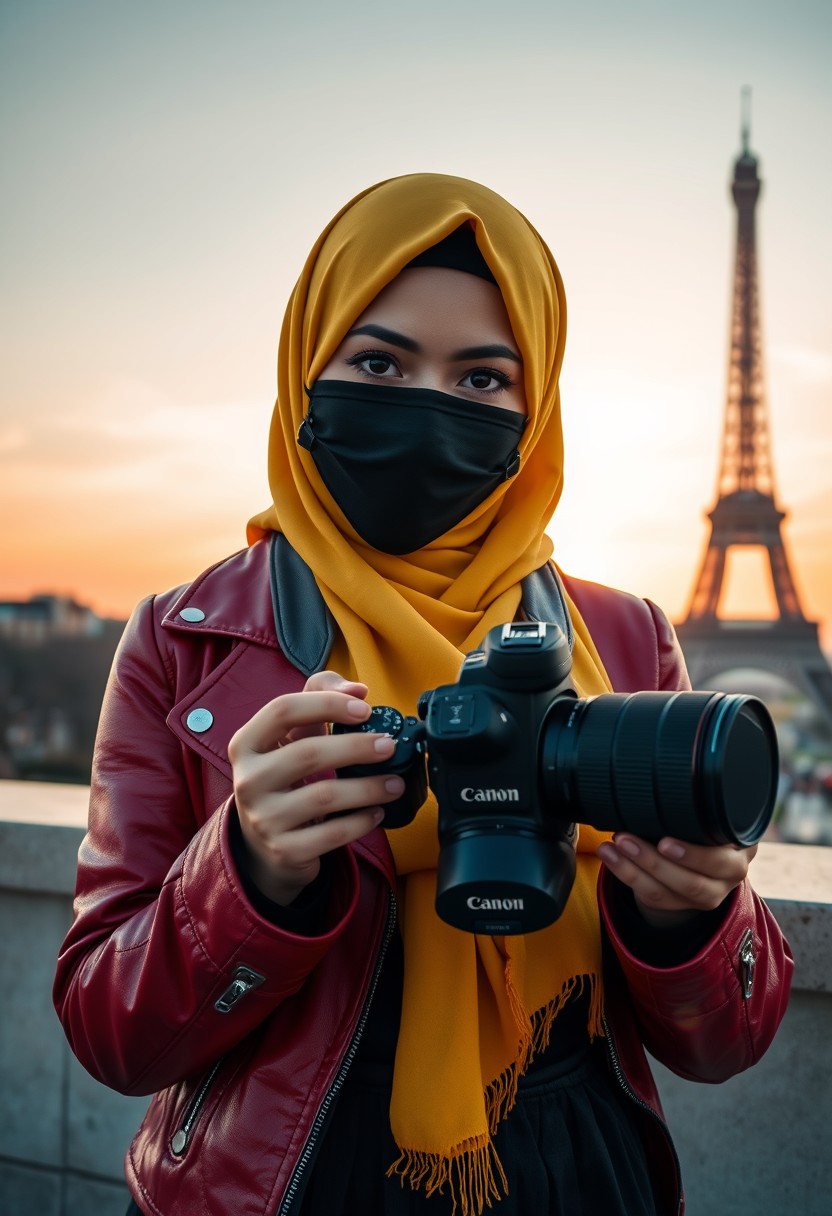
{"x": 481, "y": 380}
{"x": 486, "y": 380}
{"x": 377, "y": 366}
{"x": 374, "y": 364}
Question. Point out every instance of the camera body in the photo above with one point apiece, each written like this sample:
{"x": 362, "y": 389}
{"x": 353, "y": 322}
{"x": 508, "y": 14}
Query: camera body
{"x": 517, "y": 759}
{"x": 408, "y": 760}
{"x": 506, "y": 861}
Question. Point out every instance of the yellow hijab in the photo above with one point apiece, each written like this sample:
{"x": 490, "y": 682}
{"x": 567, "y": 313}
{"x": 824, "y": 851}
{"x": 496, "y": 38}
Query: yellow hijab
{"x": 475, "y": 1009}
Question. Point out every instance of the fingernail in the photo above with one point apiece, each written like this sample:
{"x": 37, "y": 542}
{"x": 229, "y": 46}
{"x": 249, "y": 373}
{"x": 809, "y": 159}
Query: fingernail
{"x": 669, "y": 848}
{"x": 384, "y": 744}
{"x": 358, "y": 709}
{"x": 629, "y": 847}
{"x": 394, "y": 785}
{"x": 608, "y": 854}
{"x": 378, "y": 815}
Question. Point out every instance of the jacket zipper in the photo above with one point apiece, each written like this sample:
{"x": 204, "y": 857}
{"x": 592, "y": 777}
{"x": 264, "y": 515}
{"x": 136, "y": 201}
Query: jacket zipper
{"x": 633, "y": 1096}
{"x": 325, "y": 1107}
{"x": 181, "y": 1137}
{"x": 243, "y": 981}
{"x": 747, "y": 963}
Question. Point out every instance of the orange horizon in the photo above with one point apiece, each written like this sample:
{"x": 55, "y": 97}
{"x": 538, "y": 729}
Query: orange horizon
{"x": 139, "y": 350}
{"x": 112, "y": 590}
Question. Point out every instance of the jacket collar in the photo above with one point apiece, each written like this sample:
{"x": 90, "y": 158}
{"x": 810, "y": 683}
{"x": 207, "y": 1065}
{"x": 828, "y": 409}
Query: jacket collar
{"x": 232, "y": 598}
{"x": 266, "y": 594}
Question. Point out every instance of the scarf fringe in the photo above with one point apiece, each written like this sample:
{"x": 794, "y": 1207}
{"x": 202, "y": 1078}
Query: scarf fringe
{"x": 544, "y": 1019}
{"x": 472, "y": 1170}
{"x": 534, "y": 1032}
{"x": 473, "y": 1174}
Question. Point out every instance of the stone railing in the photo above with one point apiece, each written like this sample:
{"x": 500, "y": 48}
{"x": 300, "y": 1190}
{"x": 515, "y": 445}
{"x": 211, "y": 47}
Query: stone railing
{"x": 757, "y": 1144}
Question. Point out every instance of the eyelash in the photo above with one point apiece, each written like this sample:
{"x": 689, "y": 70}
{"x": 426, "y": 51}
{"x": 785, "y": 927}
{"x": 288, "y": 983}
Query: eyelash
{"x": 504, "y": 381}
{"x": 363, "y": 355}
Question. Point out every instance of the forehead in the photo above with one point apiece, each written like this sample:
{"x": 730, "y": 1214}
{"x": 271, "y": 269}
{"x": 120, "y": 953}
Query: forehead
{"x": 433, "y": 297}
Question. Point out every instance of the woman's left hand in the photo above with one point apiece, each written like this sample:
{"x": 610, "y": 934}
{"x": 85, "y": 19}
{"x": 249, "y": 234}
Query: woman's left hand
{"x": 673, "y": 880}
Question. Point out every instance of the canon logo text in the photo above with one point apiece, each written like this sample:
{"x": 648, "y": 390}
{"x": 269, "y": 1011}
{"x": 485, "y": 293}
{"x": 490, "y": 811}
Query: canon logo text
{"x": 471, "y": 795}
{"x": 478, "y": 904}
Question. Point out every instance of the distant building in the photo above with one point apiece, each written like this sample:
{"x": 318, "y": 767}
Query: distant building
{"x": 44, "y": 617}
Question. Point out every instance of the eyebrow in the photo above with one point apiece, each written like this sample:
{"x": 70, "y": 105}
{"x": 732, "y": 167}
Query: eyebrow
{"x": 494, "y": 350}
{"x": 386, "y": 335}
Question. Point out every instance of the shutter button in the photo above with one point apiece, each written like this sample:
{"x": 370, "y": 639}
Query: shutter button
{"x": 199, "y": 720}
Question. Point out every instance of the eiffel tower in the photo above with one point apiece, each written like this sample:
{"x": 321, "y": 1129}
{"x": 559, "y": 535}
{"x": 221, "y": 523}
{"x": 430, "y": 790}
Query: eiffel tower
{"x": 746, "y": 512}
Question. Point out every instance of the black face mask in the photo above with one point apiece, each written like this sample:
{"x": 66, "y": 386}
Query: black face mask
{"x": 407, "y": 464}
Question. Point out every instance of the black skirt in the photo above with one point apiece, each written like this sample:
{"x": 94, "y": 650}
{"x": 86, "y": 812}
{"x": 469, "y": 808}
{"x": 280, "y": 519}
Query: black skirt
{"x": 570, "y": 1147}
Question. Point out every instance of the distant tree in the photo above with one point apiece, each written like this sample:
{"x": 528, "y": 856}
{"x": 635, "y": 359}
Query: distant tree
{"x": 62, "y": 679}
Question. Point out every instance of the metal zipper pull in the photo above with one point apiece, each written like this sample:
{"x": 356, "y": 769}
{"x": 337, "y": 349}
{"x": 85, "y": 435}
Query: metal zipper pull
{"x": 244, "y": 980}
{"x": 747, "y": 963}
{"x": 180, "y": 1139}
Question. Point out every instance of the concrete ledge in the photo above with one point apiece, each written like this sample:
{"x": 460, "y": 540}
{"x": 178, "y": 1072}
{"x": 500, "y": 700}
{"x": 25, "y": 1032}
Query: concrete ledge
{"x": 795, "y": 880}
{"x": 41, "y": 827}
{"x": 758, "y": 1143}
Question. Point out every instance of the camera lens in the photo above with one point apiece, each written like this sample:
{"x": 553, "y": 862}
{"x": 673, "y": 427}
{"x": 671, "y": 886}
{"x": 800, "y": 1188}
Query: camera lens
{"x": 701, "y": 766}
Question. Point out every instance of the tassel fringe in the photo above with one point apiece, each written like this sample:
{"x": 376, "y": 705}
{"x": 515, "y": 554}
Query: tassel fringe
{"x": 472, "y": 1171}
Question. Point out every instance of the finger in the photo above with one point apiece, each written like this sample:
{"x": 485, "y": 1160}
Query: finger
{"x": 272, "y": 724}
{"x": 287, "y": 812}
{"x": 729, "y": 862}
{"x": 322, "y": 681}
{"x": 310, "y": 758}
{"x": 326, "y": 681}
{"x": 301, "y": 849}
{"x": 659, "y": 883}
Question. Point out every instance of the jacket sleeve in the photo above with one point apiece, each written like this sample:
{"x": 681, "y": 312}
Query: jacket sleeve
{"x": 637, "y": 643}
{"x": 162, "y": 921}
{"x": 672, "y": 674}
{"x": 702, "y": 1018}
{"x": 695, "y": 1017}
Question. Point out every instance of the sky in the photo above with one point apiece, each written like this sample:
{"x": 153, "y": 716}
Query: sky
{"x": 166, "y": 169}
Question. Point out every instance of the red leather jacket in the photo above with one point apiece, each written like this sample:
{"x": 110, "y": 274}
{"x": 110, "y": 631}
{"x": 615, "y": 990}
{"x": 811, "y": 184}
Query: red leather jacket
{"x": 170, "y": 983}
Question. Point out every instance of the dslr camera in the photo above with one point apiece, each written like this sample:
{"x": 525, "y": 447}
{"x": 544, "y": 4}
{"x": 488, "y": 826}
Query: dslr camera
{"x": 517, "y": 759}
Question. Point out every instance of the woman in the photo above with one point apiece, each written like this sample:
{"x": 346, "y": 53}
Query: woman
{"x": 250, "y": 945}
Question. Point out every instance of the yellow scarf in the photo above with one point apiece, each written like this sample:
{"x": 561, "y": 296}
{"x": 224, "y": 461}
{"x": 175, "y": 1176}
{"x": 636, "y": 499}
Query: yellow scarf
{"x": 475, "y": 1009}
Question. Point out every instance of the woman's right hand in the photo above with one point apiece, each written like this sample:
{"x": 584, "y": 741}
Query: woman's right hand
{"x": 286, "y": 791}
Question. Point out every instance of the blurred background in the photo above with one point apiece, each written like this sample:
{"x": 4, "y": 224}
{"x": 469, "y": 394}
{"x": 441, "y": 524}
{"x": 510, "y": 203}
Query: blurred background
{"x": 166, "y": 169}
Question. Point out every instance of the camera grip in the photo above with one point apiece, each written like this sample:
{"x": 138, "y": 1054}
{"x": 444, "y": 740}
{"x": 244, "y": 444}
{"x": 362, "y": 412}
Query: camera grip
{"x": 407, "y": 761}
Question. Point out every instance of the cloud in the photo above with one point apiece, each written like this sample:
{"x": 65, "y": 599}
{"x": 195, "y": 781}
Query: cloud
{"x": 811, "y": 366}
{"x": 12, "y": 439}
{"x": 133, "y": 435}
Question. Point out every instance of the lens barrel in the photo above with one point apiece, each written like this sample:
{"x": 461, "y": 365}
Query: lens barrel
{"x": 700, "y": 766}
{"x": 504, "y": 882}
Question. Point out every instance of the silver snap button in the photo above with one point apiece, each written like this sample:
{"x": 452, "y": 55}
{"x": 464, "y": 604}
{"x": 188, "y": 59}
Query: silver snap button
{"x": 192, "y": 615}
{"x": 199, "y": 720}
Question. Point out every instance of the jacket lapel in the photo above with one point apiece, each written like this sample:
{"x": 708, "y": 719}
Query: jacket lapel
{"x": 229, "y": 662}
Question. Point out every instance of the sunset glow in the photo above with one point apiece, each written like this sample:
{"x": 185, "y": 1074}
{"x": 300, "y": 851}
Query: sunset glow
{"x": 168, "y": 168}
